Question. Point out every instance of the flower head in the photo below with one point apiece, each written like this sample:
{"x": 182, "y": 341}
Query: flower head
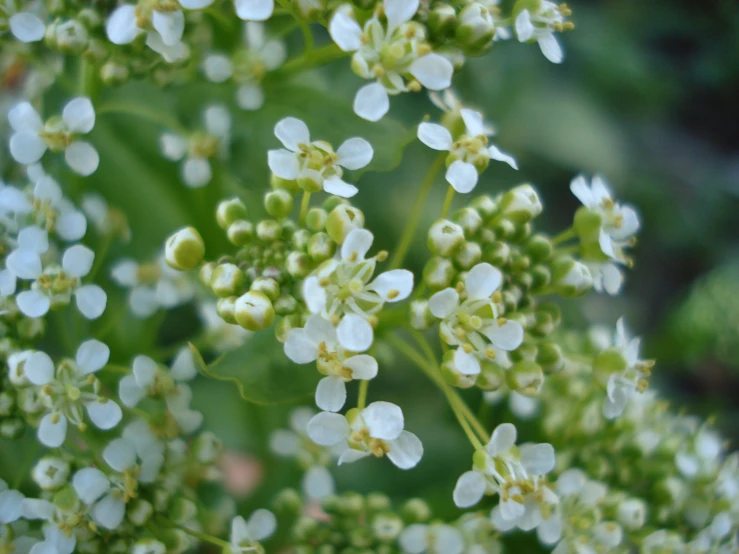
{"x": 539, "y": 24}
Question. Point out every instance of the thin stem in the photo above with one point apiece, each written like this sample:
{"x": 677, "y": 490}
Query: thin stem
{"x": 447, "y": 201}
{"x": 565, "y": 235}
{"x": 152, "y": 116}
{"x": 362, "y": 400}
{"x": 425, "y": 346}
{"x": 309, "y": 60}
{"x": 202, "y": 536}
{"x": 304, "y": 204}
{"x": 100, "y": 256}
{"x": 416, "y": 212}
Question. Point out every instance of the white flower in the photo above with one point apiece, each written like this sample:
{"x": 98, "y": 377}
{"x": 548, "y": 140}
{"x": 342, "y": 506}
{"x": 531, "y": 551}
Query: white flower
{"x": 163, "y": 30}
{"x": 67, "y": 388}
{"x": 316, "y": 161}
{"x": 196, "y": 149}
{"x": 10, "y": 504}
{"x": 31, "y": 137}
{"x": 515, "y": 474}
{"x": 701, "y": 456}
{"x": 539, "y": 25}
{"x": 50, "y": 473}
{"x": 376, "y": 430}
{"x": 254, "y": 10}
{"x": 619, "y": 223}
{"x": 319, "y": 341}
{"x": 607, "y": 277}
{"x": 391, "y": 52}
{"x": 469, "y": 154}
{"x": 245, "y": 534}
{"x": 345, "y": 286}
{"x": 431, "y": 539}
{"x": 26, "y": 25}
{"x": 472, "y": 324}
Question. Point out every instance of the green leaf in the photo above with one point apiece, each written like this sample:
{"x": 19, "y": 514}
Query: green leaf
{"x": 261, "y": 371}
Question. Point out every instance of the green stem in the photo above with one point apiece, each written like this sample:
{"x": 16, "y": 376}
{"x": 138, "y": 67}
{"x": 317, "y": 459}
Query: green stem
{"x": 565, "y": 235}
{"x": 447, "y": 201}
{"x": 304, "y": 204}
{"x": 100, "y": 256}
{"x": 203, "y": 536}
{"x": 416, "y": 212}
{"x": 152, "y": 116}
{"x": 362, "y": 400}
{"x": 309, "y": 60}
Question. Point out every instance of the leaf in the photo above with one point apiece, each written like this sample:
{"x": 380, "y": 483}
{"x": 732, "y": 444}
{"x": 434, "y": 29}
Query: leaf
{"x": 261, "y": 371}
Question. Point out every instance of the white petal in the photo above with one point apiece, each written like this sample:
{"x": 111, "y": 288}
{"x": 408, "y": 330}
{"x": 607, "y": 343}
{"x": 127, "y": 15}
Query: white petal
{"x": 32, "y": 303}
{"x": 443, "y": 303}
{"x": 34, "y": 508}
{"x": 254, "y": 10}
{"x": 482, "y": 281}
{"x": 508, "y": 336}
{"x": 10, "y": 506}
{"x": 23, "y": 117}
{"x": 39, "y": 368}
{"x": 120, "y": 455}
{"x": 433, "y": 71}
{"x": 355, "y": 153}
{"x": 299, "y": 348}
{"x": 196, "y": 172}
{"x": 109, "y": 512}
{"x": 283, "y": 163}
{"x": 449, "y": 540}
{"x": 314, "y": 294}
{"x": 350, "y": 455}
{"x": 7, "y": 283}
{"x": 399, "y": 11}
{"x": 121, "y": 26}
{"x": 169, "y": 25}
{"x": 14, "y": 201}
{"x": 173, "y": 146}
{"x": 320, "y": 330}
{"x": 331, "y": 393}
{"x": 462, "y": 176}
{"x": 384, "y": 420}
{"x": 363, "y": 366}
{"x": 405, "y": 451}
{"x": 318, "y": 483}
{"x": 413, "y": 539}
{"x": 551, "y": 48}
{"x": 356, "y": 245}
{"x": 327, "y": 428}
{"x": 34, "y": 239}
{"x": 336, "y": 186}
{"x": 25, "y": 264}
{"x": 90, "y": 484}
{"x": 183, "y": 368}
{"x": 371, "y": 102}
{"x": 524, "y": 27}
{"x": 79, "y": 115}
{"x": 473, "y": 121}
{"x": 502, "y": 439}
{"x": 218, "y": 68}
{"x": 77, "y": 260}
{"x": 549, "y": 530}
{"x": 27, "y": 27}
{"x": 82, "y": 158}
{"x": 145, "y": 371}
{"x": 581, "y": 190}
{"x": 91, "y": 301}
{"x": 292, "y": 132}
{"x": 537, "y": 458}
{"x": 261, "y": 525}
{"x": 171, "y": 53}
{"x": 345, "y": 32}
{"x": 125, "y": 273}
{"x": 498, "y": 155}
{"x": 250, "y": 96}
{"x": 285, "y": 443}
{"x": 466, "y": 363}
{"x": 27, "y": 147}
{"x": 71, "y": 225}
{"x": 129, "y": 392}
{"x": 469, "y": 489}
{"x": 435, "y": 136}
{"x": 105, "y": 415}
{"x": 217, "y": 120}
{"x": 195, "y": 4}
{"x": 355, "y": 333}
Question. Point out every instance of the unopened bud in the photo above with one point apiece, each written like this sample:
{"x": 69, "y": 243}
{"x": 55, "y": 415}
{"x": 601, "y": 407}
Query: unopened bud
{"x": 185, "y": 249}
{"x": 269, "y": 230}
{"x": 114, "y": 73}
{"x": 521, "y": 204}
{"x": 526, "y": 377}
{"x": 438, "y": 273}
{"x": 492, "y": 376}
{"x": 476, "y": 27}
{"x": 420, "y": 316}
{"x": 321, "y": 247}
{"x": 298, "y": 265}
{"x": 229, "y": 211}
{"x": 342, "y": 220}
{"x": 441, "y": 20}
{"x": 445, "y": 237}
{"x": 550, "y": 357}
{"x": 469, "y": 220}
{"x": 267, "y": 286}
{"x": 316, "y": 218}
{"x": 468, "y": 255}
{"x": 227, "y": 280}
{"x": 50, "y": 473}
{"x": 254, "y": 311}
{"x": 71, "y": 37}
{"x": 415, "y": 510}
{"x": 207, "y": 448}
{"x": 278, "y": 203}
{"x": 632, "y": 514}
{"x": 138, "y": 511}
{"x": 225, "y": 309}
{"x": 571, "y": 278}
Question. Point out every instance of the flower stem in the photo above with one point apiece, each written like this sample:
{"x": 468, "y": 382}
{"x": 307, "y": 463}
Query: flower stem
{"x": 362, "y": 400}
{"x": 152, "y": 116}
{"x": 304, "y": 204}
{"x": 565, "y": 235}
{"x": 416, "y": 211}
{"x": 309, "y": 60}
{"x": 447, "y": 201}
{"x": 200, "y": 536}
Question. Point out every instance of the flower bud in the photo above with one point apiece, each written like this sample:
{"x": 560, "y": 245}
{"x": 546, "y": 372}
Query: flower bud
{"x": 539, "y": 247}
{"x": 230, "y": 211}
{"x": 504, "y": 229}
{"x": 445, "y": 237}
{"x": 541, "y": 277}
{"x": 298, "y": 265}
{"x": 254, "y": 311}
{"x": 492, "y": 376}
{"x": 206, "y": 272}
{"x": 550, "y": 357}
{"x": 587, "y": 225}
{"x": 342, "y": 220}
{"x": 287, "y": 501}
{"x": 145, "y": 546}
{"x": 387, "y": 527}
{"x": 441, "y": 20}
{"x": 207, "y": 448}
{"x": 420, "y": 316}
{"x": 316, "y": 218}
{"x": 310, "y": 181}
{"x": 351, "y": 503}
{"x": 453, "y": 376}
{"x": 571, "y": 278}
{"x": 415, "y": 510}
{"x": 278, "y": 203}
{"x": 12, "y": 428}
{"x": 521, "y": 204}
{"x": 497, "y": 253}
{"x": 469, "y": 220}
{"x": 138, "y": 511}
{"x": 475, "y": 28}
{"x": 438, "y": 273}
{"x": 182, "y": 510}
{"x": 608, "y": 362}
{"x": 267, "y": 286}
{"x": 269, "y": 230}
{"x": 290, "y": 186}
{"x": 225, "y": 308}
{"x": 65, "y": 499}
{"x": 114, "y": 74}
{"x": 185, "y": 249}
{"x": 321, "y": 247}
{"x": 632, "y": 514}
{"x": 525, "y": 377}
{"x": 468, "y": 256}
{"x": 227, "y": 280}
{"x": 50, "y": 473}
{"x": 543, "y": 325}
{"x": 285, "y": 304}
{"x": 71, "y": 37}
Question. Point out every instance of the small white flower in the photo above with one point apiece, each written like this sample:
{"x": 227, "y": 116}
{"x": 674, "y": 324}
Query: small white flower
{"x": 431, "y": 539}
{"x": 50, "y": 473}
{"x": 10, "y": 504}
{"x": 31, "y": 137}
{"x": 246, "y": 534}
{"x": 539, "y": 25}
{"x": 701, "y": 455}
{"x": 472, "y": 324}
{"x": 469, "y": 154}
{"x": 316, "y": 161}
{"x": 319, "y": 342}
{"x": 376, "y": 430}
{"x": 254, "y": 10}
{"x": 163, "y": 30}
{"x": 607, "y": 277}
{"x": 389, "y": 52}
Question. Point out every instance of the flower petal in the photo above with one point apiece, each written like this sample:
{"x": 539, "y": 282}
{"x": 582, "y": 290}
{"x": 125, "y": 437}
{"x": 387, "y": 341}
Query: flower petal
{"x": 443, "y": 303}
{"x": 371, "y": 102}
{"x": 435, "y": 136}
{"x": 27, "y": 27}
{"x": 384, "y": 420}
{"x": 261, "y": 525}
{"x": 109, "y": 512}
{"x": 469, "y": 489}
{"x": 355, "y": 153}
{"x": 91, "y": 301}
{"x": 318, "y": 483}
{"x": 314, "y": 295}
{"x": 52, "y": 434}
{"x": 120, "y": 455}
{"x": 466, "y": 362}
{"x": 331, "y": 393}
{"x": 394, "y": 285}
{"x": 351, "y": 455}
{"x": 283, "y": 163}
{"x": 254, "y": 10}
{"x": 399, "y": 11}
{"x": 24, "y": 264}
{"x": 105, "y": 415}
{"x": 77, "y": 260}
{"x": 550, "y": 48}
{"x": 121, "y": 26}
{"x": 507, "y": 336}
{"x": 462, "y": 176}
{"x": 27, "y": 147}
{"x": 292, "y": 132}
{"x": 90, "y": 484}
{"x": 170, "y": 25}
{"x": 355, "y": 333}
{"x": 356, "y": 245}
{"x": 196, "y": 172}
{"x": 502, "y": 439}
{"x": 33, "y": 303}
{"x": 433, "y": 71}
{"x": 405, "y": 451}
{"x": 24, "y": 117}
{"x": 299, "y": 348}
{"x": 82, "y": 157}
{"x": 327, "y": 429}
{"x": 363, "y": 366}
{"x": 39, "y": 368}
{"x": 500, "y": 156}
{"x": 482, "y": 281}
{"x": 537, "y": 459}
{"x": 345, "y": 32}
{"x": 250, "y": 96}
{"x": 79, "y": 115}
{"x": 336, "y": 186}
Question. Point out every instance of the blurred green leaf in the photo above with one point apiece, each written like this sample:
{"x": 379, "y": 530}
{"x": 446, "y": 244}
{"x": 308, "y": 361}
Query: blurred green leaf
{"x": 261, "y": 371}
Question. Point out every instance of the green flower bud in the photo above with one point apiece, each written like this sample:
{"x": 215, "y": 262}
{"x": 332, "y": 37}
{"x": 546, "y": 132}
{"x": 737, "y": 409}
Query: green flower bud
{"x": 301, "y": 239}
{"x": 497, "y": 254}
{"x": 351, "y": 503}
{"x": 225, "y": 308}
{"x": 298, "y": 265}
{"x": 312, "y": 10}
{"x": 269, "y": 230}
{"x": 229, "y": 211}
{"x": 207, "y": 448}
{"x": 206, "y": 272}
{"x": 139, "y": 511}
{"x": 342, "y": 220}
{"x": 387, "y": 527}
{"x": 587, "y": 225}
{"x": 71, "y": 37}
{"x": 552, "y": 309}
{"x": 469, "y": 220}
{"x": 254, "y": 311}
{"x": 475, "y": 29}
{"x": 521, "y": 204}
{"x": 114, "y": 74}
{"x": 543, "y": 325}
{"x": 287, "y": 501}
{"x": 331, "y": 504}
{"x": 12, "y": 428}
{"x": 504, "y": 229}
{"x": 182, "y": 510}
{"x": 66, "y": 499}
{"x": 227, "y": 280}
{"x": 492, "y": 376}
{"x": 468, "y": 255}
{"x": 185, "y": 249}
{"x": 438, "y": 273}
{"x": 632, "y": 514}
{"x": 526, "y": 377}
{"x": 420, "y": 316}
{"x": 283, "y": 327}
{"x": 377, "y": 502}
{"x": 571, "y": 278}
{"x": 608, "y": 362}
{"x": 550, "y": 357}
{"x": 415, "y": 510}
{"x": 485, "y": 206}
{"x": 539, "y": 247}
{"x": 290, "y": 186}
{"x": 316, "y": 218}
{"x": 321, "y": 247}
{"x": 267, "y": 286}
{"x": 361, "y": 537}
{"x": 541, "y": 276}
{"x": 89, "y": 18}
{"x": 442, "y": 19}
{"x": 454, "y": 377}
{"x": 445, "y": 237}
{"x": 278, "y": 203}
{"x": 310, "y": 181}
{"x": 527, "y": 351}
{"x": 286, "y": 304}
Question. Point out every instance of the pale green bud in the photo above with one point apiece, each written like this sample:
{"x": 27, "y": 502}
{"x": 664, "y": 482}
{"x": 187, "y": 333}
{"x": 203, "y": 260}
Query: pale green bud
{"x": 227, "y": 280}
{"x": 66, "y": 499}
{"x": 285, "y": 304}
{"x": 415, "y": 510}
{"x": 138, "y": 511}
{"x": 469, "y": 220}
{"x": 476, "y": 27}
{"x": 438, "y": 273}
{"x": 114, "y": 74}
{"x": 550, "y": 357}
{"x": 468, "y": 256}
{"x": 504, "y": 229}
{"x": 50, "y": 473}
{"x": 282, "y": 329}
{"x": 206, "y": 272}
{"x": 207, "y": 448}
{"x": 182, "y": 510}
{"x": 312, "y": 10}
{"x": 441, "y": 20}
{"x": 608, "y": 362}
{"x": 420, "y": 315}
{"x": 351, "y": 503}
{"x": 587, "y": 225}
{"x": 240, "y": 233}
{"x": 485, "y": 206}
{"x": 571, "y": 278}
{"x": 267, "y": 286}
{"x": 454, "y": 377}
{"x": 254, "y": 311}
{"x": 230, "y": 211}
{"x": 278, "y": 203}
{"x": 321, "y": 247}
{"x": 632, "y": 514}
{"x": 71, "y": 37}
{"x": 445, "y": 237}
{"x": 298, "y": 265}
{"x": 521, "y": 204}
{"x": 287, "y": 500}
{"x": 497, "y": 253}
{"x": 539, "y": 247}
{"x": 289, "y": 185}
{"x": 526, "y": 377}
{"x": 316, "y": 218}
{"x": 492, "y": 376}
{"x": 185, "y": 249}
{"x": 269, "y": 230}
{"x": 377, "y": 502}
{"x": 89, "y": 18}
{"x": 225, "y": 308}
{"x": 387, "y": 527}
{"x": 12, "y": 428}
{"x": 342, "y": 220}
